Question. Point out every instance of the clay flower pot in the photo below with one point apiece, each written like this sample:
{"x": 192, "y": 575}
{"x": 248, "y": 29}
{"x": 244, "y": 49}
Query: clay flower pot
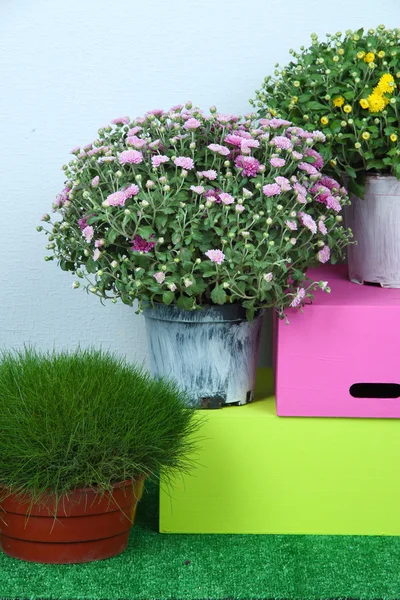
{"x": 85, "y": 526}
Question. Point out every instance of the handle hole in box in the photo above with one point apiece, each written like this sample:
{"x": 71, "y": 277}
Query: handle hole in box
{"x": 375, "y": 390}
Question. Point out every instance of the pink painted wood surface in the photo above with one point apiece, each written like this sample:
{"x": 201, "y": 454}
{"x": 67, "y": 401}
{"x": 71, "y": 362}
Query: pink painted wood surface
{"x": 351, "y": 335}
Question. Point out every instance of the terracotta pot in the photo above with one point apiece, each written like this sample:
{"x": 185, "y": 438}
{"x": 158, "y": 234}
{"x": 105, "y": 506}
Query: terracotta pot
{"x": 85, "y": 526}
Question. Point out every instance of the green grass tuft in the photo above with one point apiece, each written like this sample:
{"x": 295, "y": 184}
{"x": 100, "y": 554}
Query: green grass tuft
{"x": 86, "y": 419}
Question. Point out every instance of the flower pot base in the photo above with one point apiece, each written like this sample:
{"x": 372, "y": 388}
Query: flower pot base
{"x": 64, "y": 553}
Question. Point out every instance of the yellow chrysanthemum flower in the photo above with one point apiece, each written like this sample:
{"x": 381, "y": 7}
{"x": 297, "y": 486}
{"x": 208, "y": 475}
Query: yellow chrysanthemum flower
{"x": 295, "y": 99}
{"x": 386, "y": 84}
{"x": 338, "y": 101}
{"x": 360, "y": 54}
{"x": 369, "y": 57}
{"x": 393, "y": 137}
{"x": 376, "y": 102}
{"x": 347, "y": 108}
{"x": 324, "y": 120}
{"x": 364, "y": 103}
{"x": 365, "y": 135}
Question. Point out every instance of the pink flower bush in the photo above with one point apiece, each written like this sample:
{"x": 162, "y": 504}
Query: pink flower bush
{"x": 151, "y": 212}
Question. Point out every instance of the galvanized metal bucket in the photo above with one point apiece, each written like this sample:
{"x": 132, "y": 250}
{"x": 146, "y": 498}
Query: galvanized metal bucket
{"x": 375, "y": 222}
{"x": 212, "y": 353}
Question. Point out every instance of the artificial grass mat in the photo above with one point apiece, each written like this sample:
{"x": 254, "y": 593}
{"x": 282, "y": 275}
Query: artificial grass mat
{"x": 195, "y": 567}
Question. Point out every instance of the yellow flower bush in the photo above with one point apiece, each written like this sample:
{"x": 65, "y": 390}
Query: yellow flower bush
{"x": 348, "y": 87}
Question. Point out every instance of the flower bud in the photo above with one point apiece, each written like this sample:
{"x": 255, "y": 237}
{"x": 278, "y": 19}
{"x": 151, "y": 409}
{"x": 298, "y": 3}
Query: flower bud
{"x": 192, "y": 145}
{"x": 127, "y": 211}
{"x": 268, "y": 221}
{"x": 138, "y": 177}
{"x": 166, "y": 188}
{"x": 198, "y": 261}
{"x": 114, "y": 264}
{"x": 227, "y": 163}
{"x": 160, "y": 240}
{"x": 75, "y": 285}
{"x": 225, "y": 285}
{"x": 86, "y": 252}
{"x": 118, "y": 174}
{"x": 39, "y": 228}
{"x": 150, "y": 184}
{"x": 208, "y": 204}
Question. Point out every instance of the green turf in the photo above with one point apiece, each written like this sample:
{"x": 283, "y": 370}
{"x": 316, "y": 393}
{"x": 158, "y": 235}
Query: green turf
{"x": 217, "y": 566}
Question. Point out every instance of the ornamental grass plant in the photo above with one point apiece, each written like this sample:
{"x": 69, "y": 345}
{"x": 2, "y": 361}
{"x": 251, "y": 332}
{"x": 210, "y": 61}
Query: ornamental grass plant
{"x": 348, "y": 87}
{"x": 86, "y": 419}
{"x": 195, "y": 209}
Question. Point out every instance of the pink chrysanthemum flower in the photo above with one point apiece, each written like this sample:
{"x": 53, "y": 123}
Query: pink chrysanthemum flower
{"x": 115, "y": 199}
{"x": 300, "y": 189}
{"x": 105, "y": 159}
{"x": 234, "y": 140}
{"x": 283, "y": 183}
{"x": 88, "y": 147}
{"x": 216, "y": 256}
{"x": 88, "y": 232}
{"x": 324, "y": 254}
{"x": 292, "y": 225}
{"x": 320, "y": 193}
{"x": 95, "y": 151}
{"x": 309, "y": 169}
{"x": 271, "y": 189}
{"x": 227, "y": 118}
{"x": 268, "y": 277}
{"x": 239, "y": 208}
{"x": 83, "y": 222}
{"x": 274, "y": 123}
{"x": 322, "y": 228}
{"x": 75, "y": 150}
{"x": 318, "y": 136}
{"x": 136, "y": 142}
{"x": 307, "y": 221}
{"x": 131, "y": 190}
{"x": 210, "y": 174}
{"x": 176, "y": 108}
{"x": 99, "y": 243}
{"x": 299, "y": 297}
{"x": 281, "y": 142}
{"x": 159, "y": 277}
{"x": 96, "y": 254}
{"x": 191, "y": 124}
{"x": 222, "y": 150}
{"x": 95, "y": 181}
{"x": 226, "y": 198}
{"x": 130, "y": 157}
{"x": 318, "y": 163}
{"x": 134, "y": 130}
{"x": 185, "y": 162}
{"x": 329, "y": 182}
{"x": 158, "y": 160}
{"x": 141, "y": 245}
{"x": 297, "y": 155}
{"x": 247, "y": 144}
{"x": 197, "y": 189}
{"x": 249, "y": 164}
{"x": 334, "y": 203}
{"x": 120, "y": 121}
{"x": 213, "y": 195}
{"x": 156, "y": 144}
{"x": 277, "y": 162}
{"x": 157, "y": 112}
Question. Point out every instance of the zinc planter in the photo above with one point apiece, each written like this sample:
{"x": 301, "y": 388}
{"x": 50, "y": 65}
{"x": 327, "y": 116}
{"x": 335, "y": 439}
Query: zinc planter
{"x": 85, "y": 526}
{"x": 375, "y": 222}
{"x": 212, "y": 353}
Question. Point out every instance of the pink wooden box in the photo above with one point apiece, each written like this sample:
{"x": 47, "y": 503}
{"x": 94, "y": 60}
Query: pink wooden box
{"x": 341, "y": 358}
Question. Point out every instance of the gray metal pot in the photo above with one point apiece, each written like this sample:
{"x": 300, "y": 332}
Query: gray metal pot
{"x": 375, "y": 222}
{"x": 212, "y": 353}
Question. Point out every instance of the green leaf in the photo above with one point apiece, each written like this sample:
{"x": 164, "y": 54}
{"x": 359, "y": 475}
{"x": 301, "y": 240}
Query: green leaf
{"x": 176, "y": 238}
{"x": 316, "y": 105}
{"x": 185, "y": 302}
{"x": 168, "y": 297}
{"x": 375, "y": 164}
{"x": 145, "y": 231}
{"x": 161, "y": 221}
{"x": 112, "y": 236}
{"x": 91, "y": 266}
{"x": 218, "y": 295}
{"x": 351, "y": 172}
